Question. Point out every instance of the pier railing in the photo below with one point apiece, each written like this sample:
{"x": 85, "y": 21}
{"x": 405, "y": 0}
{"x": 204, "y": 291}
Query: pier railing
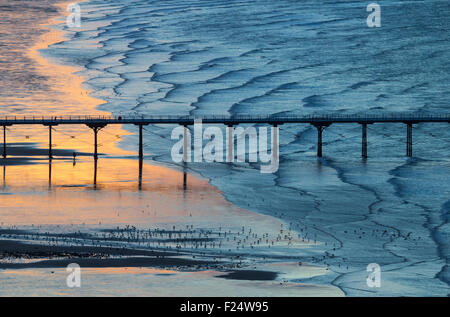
{"x": 226, "y": 119}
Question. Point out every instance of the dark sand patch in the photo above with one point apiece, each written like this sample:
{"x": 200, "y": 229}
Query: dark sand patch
{"x": 25, "y": 250}
{"x": 16, "y": 161}
{"x": 31, "y": 149}
{"x": 250, "y": 275}
{"x": 159, "y": 262}
{"x": 92, "y": 256}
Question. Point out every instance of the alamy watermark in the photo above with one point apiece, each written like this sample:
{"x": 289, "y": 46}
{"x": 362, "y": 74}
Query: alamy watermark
{"x": 374, "y": 18}
{"x": 374, "y": 278}
{"x": 213, "y": 150}
{"x": 73, "y": 20}
{"x": 74, "y": 277}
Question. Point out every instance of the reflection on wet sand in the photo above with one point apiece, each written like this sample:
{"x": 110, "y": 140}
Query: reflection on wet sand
{"x": 35, "y": 192}
{"x": 140, "y": 167}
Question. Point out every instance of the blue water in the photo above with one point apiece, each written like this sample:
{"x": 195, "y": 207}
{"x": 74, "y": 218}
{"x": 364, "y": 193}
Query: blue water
{"x": 298, "y": 57}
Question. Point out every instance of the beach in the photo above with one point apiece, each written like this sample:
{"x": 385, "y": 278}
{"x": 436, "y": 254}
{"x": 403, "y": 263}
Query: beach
{"x": 310, "y": 229}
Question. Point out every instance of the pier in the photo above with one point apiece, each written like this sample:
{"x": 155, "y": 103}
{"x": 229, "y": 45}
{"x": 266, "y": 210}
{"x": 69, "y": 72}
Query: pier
{"x": 320, "y": 122}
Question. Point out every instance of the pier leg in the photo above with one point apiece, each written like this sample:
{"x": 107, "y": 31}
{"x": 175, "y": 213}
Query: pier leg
{"x": 95, "y": 143}
{"x": 364, "y": 141}
{"x": 320, "y": 127}
{"x": 409, "y": 139}
{"x": 96, "y": 128}
{"x": 50, "y": 154}
{"x": 230, "y": 144}
{"x": 4, "y": 141}
{"x": 319, "y": 140}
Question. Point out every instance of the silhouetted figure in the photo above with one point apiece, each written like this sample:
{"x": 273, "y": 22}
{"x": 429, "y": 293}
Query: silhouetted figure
{"x": 74, "y": 158}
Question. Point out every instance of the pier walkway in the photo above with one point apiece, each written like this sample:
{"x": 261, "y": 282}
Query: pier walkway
{"x": 321, "y": 122}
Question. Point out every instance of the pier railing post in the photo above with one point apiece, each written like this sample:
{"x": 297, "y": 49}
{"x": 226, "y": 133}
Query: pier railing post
{"x": 364, "y": 141}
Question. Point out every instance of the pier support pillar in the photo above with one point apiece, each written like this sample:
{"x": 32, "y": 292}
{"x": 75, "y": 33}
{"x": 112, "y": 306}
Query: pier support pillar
{"x": 141, "y": 152}
{"x": 320, "y": 127}
{"x": 141, "y": 145}
{"x": 50, "y": 154}
{"x": 50, "y": 148}
{"x": 96, "y": 128}
{"x": 409, "y": 139}
{"x": 95, "y": 143}
{"x": 4, "y": 141}
{"x": 364, "y": 141}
